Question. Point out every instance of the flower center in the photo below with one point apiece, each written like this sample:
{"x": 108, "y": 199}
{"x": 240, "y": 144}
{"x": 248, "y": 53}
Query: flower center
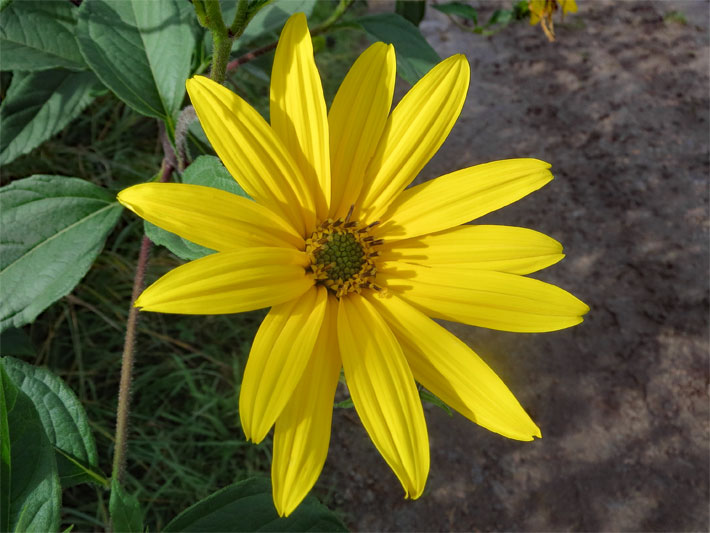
{"x": 341, "y": 254}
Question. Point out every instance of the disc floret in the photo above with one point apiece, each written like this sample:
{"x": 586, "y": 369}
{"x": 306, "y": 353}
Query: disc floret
{"x": 342, "y": 256}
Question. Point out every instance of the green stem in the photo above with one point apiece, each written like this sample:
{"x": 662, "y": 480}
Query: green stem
{"x": 220, "y": 38}
{"x": 241, "y": 19}
{"x": 200, "y": 12}
{"x": 209, "y": 13}
{"x": 124, "y": 391}
{"x": 339, "y": 11}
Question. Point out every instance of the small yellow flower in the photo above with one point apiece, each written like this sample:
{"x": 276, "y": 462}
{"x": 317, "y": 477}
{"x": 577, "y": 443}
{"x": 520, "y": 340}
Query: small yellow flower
{"x": 352, "y": 262}
{"x": 542, "y": 10}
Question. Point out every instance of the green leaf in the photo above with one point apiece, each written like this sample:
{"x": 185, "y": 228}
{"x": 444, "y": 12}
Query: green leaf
{"x": 500, "y": 16}
{"x": 415, "y": 57}
{"x": 247, "y": 506}
{"x": 29, "y": 486}
{"x": 124, "y": 510}
{"x": 182, "y": 248}
{"x": 140, "y": 50}
{"x": 460, "y": 9}
{"x": 74, "y": 471}
{"x": 269, "y": 19}
{"x": 38, "y": 35}
{"x": 4, "y": 4}
{"x": 64, "y": 421}
{"x": 40, "y": 104}
{"x": 345, "y": 404}
{"x": 412, "y": 10}
{"x": 53, "y": 227}
{"x": 8, "y": 397}
{"x": 208, "y": 171}
{"x": 428, "y": 397}
{"x": 521, "y": 10}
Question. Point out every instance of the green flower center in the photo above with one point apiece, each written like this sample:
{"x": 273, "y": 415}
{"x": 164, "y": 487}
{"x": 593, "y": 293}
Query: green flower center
{"x": 341, "y": 256}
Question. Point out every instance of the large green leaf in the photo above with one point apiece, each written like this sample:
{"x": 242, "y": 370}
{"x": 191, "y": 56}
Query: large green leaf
{"x": 415, "y": 57}
{"x": 38, "y": 35}
{"x": 140, "y": 50}
{"x": 125, "y": 510}
{"x": 40, "y": 104}
{"x": 29, "y": 485}
{"x": 53, "y": 227}
{"x": 247, "y": 506}
{"x": 208, "y": 171}
{"x": 64, "y": 421}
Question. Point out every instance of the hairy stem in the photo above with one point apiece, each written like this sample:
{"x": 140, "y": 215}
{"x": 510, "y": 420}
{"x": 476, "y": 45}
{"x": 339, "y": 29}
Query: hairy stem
{"x": 241, "y": 19}
{"x": 220, "y": 38}
{"x": 124, "y": 391}
{"x": 209, "y": 13}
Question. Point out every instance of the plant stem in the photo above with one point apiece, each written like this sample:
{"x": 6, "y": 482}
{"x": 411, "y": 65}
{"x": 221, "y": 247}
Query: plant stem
{"x": 339, "y": 11}
{"x": 250, "y": 56}
{"x": 241, "y": 19}
{"x": 221, "y": 40}
{"x": 209, "y": 14}
{"x": 124, "y": 391}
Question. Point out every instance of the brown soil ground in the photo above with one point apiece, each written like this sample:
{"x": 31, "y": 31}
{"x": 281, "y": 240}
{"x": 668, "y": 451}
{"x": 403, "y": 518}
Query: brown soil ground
{"x": 619, "y": 106}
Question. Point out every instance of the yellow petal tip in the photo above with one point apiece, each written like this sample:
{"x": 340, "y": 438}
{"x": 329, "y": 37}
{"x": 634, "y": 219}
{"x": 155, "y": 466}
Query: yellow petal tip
{"x": 138, "y": 302}
{"x": 298, "y": 20}
{"x": 123, "y": 198}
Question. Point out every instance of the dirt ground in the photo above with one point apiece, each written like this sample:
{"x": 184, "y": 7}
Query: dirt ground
{"x": 619, "y": 106}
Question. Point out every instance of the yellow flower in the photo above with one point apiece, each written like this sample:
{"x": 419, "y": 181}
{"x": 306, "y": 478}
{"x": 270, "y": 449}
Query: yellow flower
{"x": 542, "y": 10}
{"x": 352, "y": 262}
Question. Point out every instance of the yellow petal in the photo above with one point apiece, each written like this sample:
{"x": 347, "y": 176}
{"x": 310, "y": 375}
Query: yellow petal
{"x": 537, "y": 10}
{"x": 568, "y": 6}
{"x": 383, "y": 391}
{"x": 302, "y": 432}
{"x": 210, "y": 217}
{"x": 414, "y": 132}
{"x": 252, "y": 153}
{"x": 484, "y": 298}
{"x": 297, "y": 108}
{"x": 230, "y": 282}
{"x": 501, "y": 248}
{"x": 454, "y": 373}
{"x": 279, "y": 355}
{"x": 357, "y": 118}
{"x": 462, "y": 196}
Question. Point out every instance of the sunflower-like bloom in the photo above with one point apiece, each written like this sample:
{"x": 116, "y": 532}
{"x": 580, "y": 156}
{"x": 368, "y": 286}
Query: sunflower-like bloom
{"x": 542, "y": 10}
{"x": 352, "y": 262}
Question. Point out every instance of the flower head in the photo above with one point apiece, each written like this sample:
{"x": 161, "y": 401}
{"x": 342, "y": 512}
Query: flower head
{"x": 352, "y": 262}
{"x": 541, "y": 11}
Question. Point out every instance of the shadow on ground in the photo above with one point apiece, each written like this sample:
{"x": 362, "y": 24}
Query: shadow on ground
{"x": 619, "y": 106}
